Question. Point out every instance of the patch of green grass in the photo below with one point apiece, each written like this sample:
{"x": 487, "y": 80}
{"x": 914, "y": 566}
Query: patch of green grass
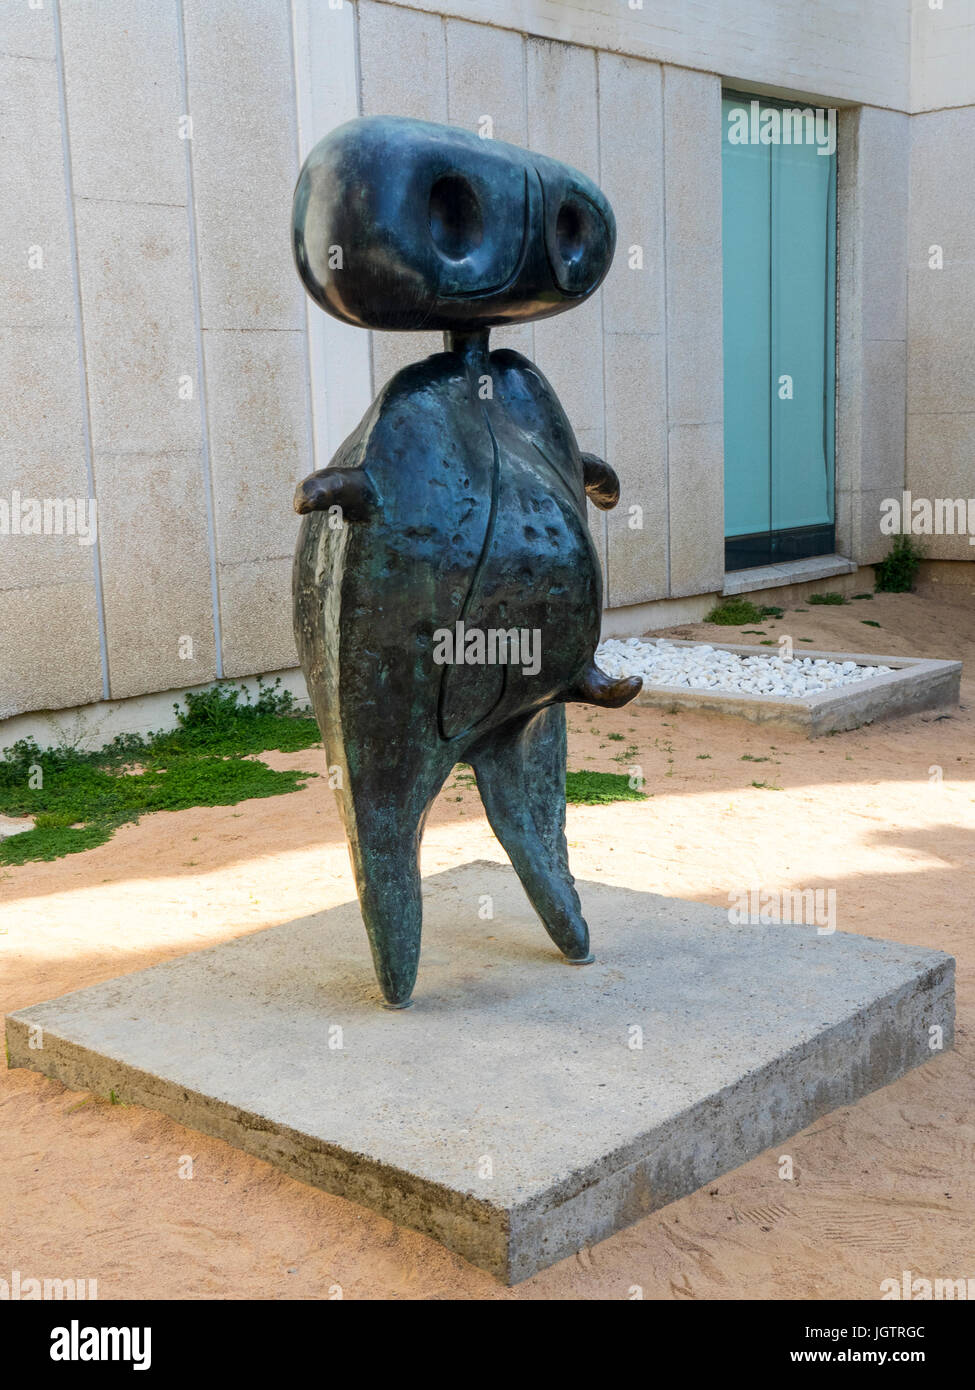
{"x": 736, "y": 612}
{"x": 599, "y": 788}
{"x": 626, "y": 755}
{"x": 767, "y": 786}
{"x": 617, "y": 738}
{"x": 704, "y": 755}
{"x": 751, "y": 758}
{"x": 78, "y": 800}
{"x": 753, "y": 632}
{"x": 855, "y": 597}
{"x": 219, "y": 721}
{"x": 45, "y": 842}
{"x": 869, "y": 622}
{"x": 830, "y": 598}
{"x": 895, "y": 574}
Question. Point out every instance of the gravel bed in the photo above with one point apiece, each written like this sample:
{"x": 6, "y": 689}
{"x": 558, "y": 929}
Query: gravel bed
{"x": 702, "y": 667}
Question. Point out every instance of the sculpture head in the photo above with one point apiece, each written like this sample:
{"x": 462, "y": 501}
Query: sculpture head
{"x": 402, "y": 224}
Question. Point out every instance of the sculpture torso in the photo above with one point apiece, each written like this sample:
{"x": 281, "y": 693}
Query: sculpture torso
{"x": 481, "y": 521}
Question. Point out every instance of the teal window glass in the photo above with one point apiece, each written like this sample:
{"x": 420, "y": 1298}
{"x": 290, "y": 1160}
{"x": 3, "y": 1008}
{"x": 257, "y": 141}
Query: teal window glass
{"x": 779, "y": 251}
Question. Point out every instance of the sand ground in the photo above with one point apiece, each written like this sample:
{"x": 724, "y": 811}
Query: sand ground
{"x": 90, "y": 1189}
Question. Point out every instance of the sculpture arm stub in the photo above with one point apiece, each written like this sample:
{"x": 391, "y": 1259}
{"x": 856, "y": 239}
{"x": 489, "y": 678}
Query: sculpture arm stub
{"x": 348, "y": 488}
{"x": 602, "y": 484}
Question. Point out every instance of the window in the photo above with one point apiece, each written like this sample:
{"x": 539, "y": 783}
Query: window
{"x": 779, "y": 254}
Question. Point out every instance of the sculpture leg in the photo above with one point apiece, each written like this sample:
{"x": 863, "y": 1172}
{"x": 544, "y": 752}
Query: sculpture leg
{"x": 384, "y": 834}
{"x": 521, "y": 777}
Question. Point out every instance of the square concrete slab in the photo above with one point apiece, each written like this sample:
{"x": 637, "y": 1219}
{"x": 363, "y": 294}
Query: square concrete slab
{"x": 913, "y": 684}
{"x": 522, "y": 1109}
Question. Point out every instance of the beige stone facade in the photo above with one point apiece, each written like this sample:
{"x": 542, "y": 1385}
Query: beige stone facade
{"x": 157, "y": 353}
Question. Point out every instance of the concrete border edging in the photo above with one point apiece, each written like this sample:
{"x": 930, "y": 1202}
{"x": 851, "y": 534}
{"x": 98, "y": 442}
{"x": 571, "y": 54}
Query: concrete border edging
{"x": 915, "y": 684}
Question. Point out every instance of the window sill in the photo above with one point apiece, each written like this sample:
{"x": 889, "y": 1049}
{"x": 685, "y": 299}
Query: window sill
{"x": 792, "y": 572}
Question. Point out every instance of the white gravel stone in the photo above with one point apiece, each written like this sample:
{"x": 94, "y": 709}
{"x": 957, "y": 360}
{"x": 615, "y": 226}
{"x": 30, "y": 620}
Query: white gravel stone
{"x": 702, "y": 667}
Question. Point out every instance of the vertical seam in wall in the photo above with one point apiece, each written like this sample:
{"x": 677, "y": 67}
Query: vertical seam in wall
{"x": 856, "y": 493}
{"x": 360, "y": 108}
{"x": 770, "y": 366}
{"x": 840, "y": 311}
{"x": 603, "y": 516}
{"x": 360, "y": 101}
{"x": 82, "y": 359}
{"x": 200, "y": 360}
{"x": 528, "y": 139}
{"x": 837, "y": 329}
{"x": 848, "y": 280}
{"x": 908, "y": 213}
{"x": 663, "y": 228}
{"x": 356, "y": 58}
{"x": 311, "y": 409}
{"x": 446, "y": 69}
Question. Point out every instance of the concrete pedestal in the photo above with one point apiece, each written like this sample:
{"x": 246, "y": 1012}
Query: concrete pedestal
{"x": 522, "y": 1109}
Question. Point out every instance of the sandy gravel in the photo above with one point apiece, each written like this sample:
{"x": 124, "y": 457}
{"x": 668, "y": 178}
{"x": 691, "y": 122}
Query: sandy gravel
{"x": 88, "y": 1189}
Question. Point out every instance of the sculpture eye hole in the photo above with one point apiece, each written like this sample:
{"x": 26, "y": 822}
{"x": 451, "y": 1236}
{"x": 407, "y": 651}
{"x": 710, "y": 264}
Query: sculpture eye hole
{"x": 572, "y": 231}
{"x": 456, "y": 225}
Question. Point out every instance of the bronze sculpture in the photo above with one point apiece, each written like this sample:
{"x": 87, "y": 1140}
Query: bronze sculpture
{"x": 447, "y": 594}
